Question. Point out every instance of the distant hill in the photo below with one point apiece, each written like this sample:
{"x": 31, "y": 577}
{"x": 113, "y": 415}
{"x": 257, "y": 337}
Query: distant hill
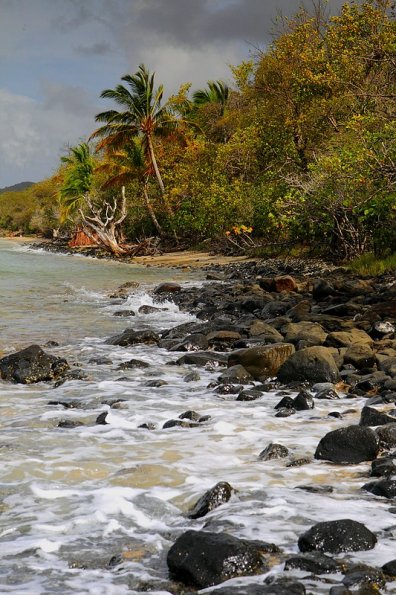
{"x": 16, "y": 187}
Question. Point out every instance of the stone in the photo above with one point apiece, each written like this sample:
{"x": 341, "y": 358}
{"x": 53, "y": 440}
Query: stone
{"x": 133, "y": 364}
{"x": 124, "y": 313}
{"x": 384, "y": 487}
{"x": 344, "y": 535}
{"x": 249, "y": 395}
{"x": 32, "y": 365}
{"x": 236, "y": 374}
{"x": 264, "y": 361}
{"x": 196, "y": 342}
{"x": 315, "y": 562}
{"x": 283, "y": 283}
{"x": 383, "y": 467}
{"x": 311, "y": 332}
{"x": 362, "y": 575}
{"x": 167, "y": 287}
{"x": 360, "y": 356}
{"x": 273, "y": 451}
{"x": 389, "y": 569}
{"x": 212, "y": 499}
{"x": 147, "y": 309}
{"x": 314, "y": 364}
{"x": 328, "y": 393}
{"x": 131, "y": 337}
{"x": 387, "y": 435}
{"x": 372, "y": 417}
{"x": 350, "y": 445}
{"x": 262, "y": 329}
{"x": 388, "y": 366}
{"x": 191, "y": 415}
{"x": 203, "y": 358}
{"x": 202, "y": 559}
{"x": 303, "y": 401}
{"x": 192, "y": 377}
{"x": 348, "y": 338}
{"x": 322, "y": 289}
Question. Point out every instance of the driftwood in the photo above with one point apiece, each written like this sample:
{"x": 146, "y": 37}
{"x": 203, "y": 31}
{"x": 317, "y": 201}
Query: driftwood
{"x": 147, "y": 247}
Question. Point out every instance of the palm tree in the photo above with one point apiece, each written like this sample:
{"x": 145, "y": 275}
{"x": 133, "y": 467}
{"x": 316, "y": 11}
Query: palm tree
{"x": 217, "y": 92}
{"x": 141, "y": 116}
{"x": 101, "y": 217}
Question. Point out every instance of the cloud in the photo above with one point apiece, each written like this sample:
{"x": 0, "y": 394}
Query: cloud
{"x": 100, "y": 48}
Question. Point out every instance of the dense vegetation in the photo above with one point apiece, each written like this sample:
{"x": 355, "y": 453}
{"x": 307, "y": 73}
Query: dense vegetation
{"x": 302, "y": 146}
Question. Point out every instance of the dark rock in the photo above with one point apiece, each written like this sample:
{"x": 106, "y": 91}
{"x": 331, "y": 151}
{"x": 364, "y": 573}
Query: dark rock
{"x": 173, "y": 423}
{"x": 70, "y": 423}
{"x": 322, "y": 289}
{"x": 195, "y": 342}
{"x": 156, "y": 383}
{"x": 50, "y": 344}
{"x": 389, "y": 569}
{"x": 167, "y": 288}
{"x": 263, "y": 361}
{"x": 273, "y": 451}
{"x": 124, "y": 313}
{"x": 272, "y": 586}
{"x": 383, "y": 467}
{"x": 314, "y": 562}
{"x": 285, "y": 403}
{"x": 204, "y": 418}
{"x": 192, "y": 377}
{"x": 203, "y": 358}
{"x": 303, "y": 401}
{"x": 148, "y": 426}
{"x": 228, "y": 389}
{"x": 114, "y": 403}
{"x": 344, "y": 535}
{"x": 133, "y": 364}
{"x": 349, "y": 445}
{"x": 314, "y": 364}
{"x": 72, "y": 404}
{"x": 285, "y": 412}
{"x": 335, "y": 414}
{"x": 235, "y": 374}
{"x": 131, "y": 337}
{"x": 316, "y": 489}
{"x": 100, "y": 361}
{"x": 101, "y": 419}
{"x": 146, "y": 309}
{"x": 372, "y": 417}
{"x": 203, "y": 559}
{"x": 32, "y": 365}
{"x": 213, "y": 498}
{"x": 327, "y": 393}
{"x": 384, "y": 487}
{"x": 249, "y": 395}
{"x": 191, "y": 415}
{"x": 299, "y": 462}
{"x": 364, "y": 575}
{"x": 387, "y": 435}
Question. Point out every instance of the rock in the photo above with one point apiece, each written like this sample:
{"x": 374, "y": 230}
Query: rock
{"x": 272, "y": 586}
{"x": 174, "y": 423}
{"x": 196, "y": 342}
{"x": 360, "y": 356}
{"x": 322, "y": 289}
{"x": 101, "y": 419}
{"x": 389, "y": 569}
{"x": 191, "y": 415}
{"x": 249, "y": 395}
{"x": 364, "y": 575}
{"x": 316, "y": 489}
{"x": 348, "y": 338}
{"x": 203, "y": 358}
{"x": 372, "y": 417}
{"x": 167, "y": 288}
{"x": 344, "y": 535}
{"x": 384, "y": 328}
{"x": 100, "y": 361}
{"x": 235, "y": 374}
{"x": 131, "y": 337}
{"x": 299, "y": 462}
{"x": 228, "y": 389}
{"x": 264, "y": 361}
{"x": 285, "y": 412}
{"x": 156, "y": 383}
{"x": 283, "y": 283}
{"x": 314, "y": 364}
{"x": 273, "y": 451}
{"x": 383, "y": 467}
{"x": 146, "y": 309}
{"x": 328, "y": 393}
{"x": 387, "y": 435}
{"x": 222, "y": 340}
{"x": 133, "y": 364}
{"x": 124, "y": 313}
{"x": 265, "y": 331}
{"x": 192, "y": 377}
{"x": 213, "y": 498}
{"x": 384, "y": 487}
{"x": 388, "y": 366}
{"x": 311, "y": 332}
{"x": 285, "y": 403}
{"x": 350, "y": 445}
{"x": 202, "y": 559}
{"x": 70, "y": 423}
{"x": 314, "y": 562}
{"x": 32, "y": 365}
{"x": 148, "y": 426}
{"x": 303, "y": 401}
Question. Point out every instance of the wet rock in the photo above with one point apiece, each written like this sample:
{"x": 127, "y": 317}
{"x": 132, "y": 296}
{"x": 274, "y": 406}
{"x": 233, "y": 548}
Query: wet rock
{"x": 384, "y": 487}
{"x": 124, "y": 313}
{"x": 32, "y": 365}
{"x": 322, "y": 289}
{"x": 271, "y": 586}
{"x": 101, "y": 419}
{"x": 383, "y": 467}
{"x": 146, "y": 309}
{"x": 335, "y": 414}
{"x": 283, "y": 283}
{"x": 360, "y": 356}
{"x": 191, "y": 415}
{"x": 235, "y": 374}
{"x": 131, "y": 337}
{"x": 228, "y": 389}
{"x": 203, "y": 358}
{"x": 285, "y": 412}
{"x": 316, "y": 489}
{"x": 203, "y": 559}
{"x": 100, "y": 361}
{"x": 314, "y": 364}
{"x": 167, "y": 288}
{"x": 389, "y": 569}
{"x": 70, "y": 404}
{"x": 311, "y": 332}
{"x": 363, "y": 576}
{"x": 387, "y": 435}
{"x": 192, "y": 377}
{"x": 195, "y": 342}
{"x": 181, "y": 423}
{"x": 249, "y": 395}
{"x": 349, "y": 445}
{"x": 328, "y": 393}
{"x": 264, "y": 331}
{"x": 51, "y": 344}
{"x": 115, "y": 403}
{"x": 285, "y": 403}
{"x": 263, "y": 361}
{"x": 348, "y": 338}
{"x": 133, "y": 364}
{"x": 373, "y": 417}
{"x": 70, "y": 423}
{"x": 344, "y": 535}
{"x": 314, "y": 562}
{"x": 298, "y": 462}
{"x": 156, "y": 383}
{"x": 222, "y": 340}
{"x": 273, "y": 451}
{"x": 384, "y": 328}
{"x": 148, "y": 426}
{"x": 213, "y": 498}
{"x": 303, "y": 401}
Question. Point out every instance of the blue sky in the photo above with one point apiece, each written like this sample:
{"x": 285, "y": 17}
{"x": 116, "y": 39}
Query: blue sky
{"x": 56, "y": 56}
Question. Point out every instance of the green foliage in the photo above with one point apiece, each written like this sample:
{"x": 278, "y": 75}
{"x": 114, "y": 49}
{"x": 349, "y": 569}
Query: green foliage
{"x": 369, "y": 264}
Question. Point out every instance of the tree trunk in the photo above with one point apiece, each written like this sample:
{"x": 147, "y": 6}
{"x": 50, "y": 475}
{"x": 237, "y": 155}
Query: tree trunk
{"x": 150, "y": 209}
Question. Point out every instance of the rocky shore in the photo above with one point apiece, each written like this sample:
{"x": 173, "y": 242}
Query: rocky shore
{"x": 285, "y": 328}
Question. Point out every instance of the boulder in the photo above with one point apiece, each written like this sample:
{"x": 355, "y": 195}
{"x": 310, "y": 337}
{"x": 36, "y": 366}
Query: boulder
{"x": 32, "y": 365}
{"x": 236, "y": 374}
{"x": 195, "y": 342}
{"x": 315, "y": 364}
{"x": 371, "y": 417}
{"x": 283, "y": 283}
{"x": 387, "y": 435}
{"x": 273, "y": 451}
{"x": 202, "y": 559}
{"x": 314, "y": 562}
{"x": 354, "y": 336}
{"x": 383, "y": 467}
{"x": 389, "y": 569}
{"x": 360, "y": 356}
{"x": 344, "y": 535}
{"x": 265, "y": 331}
{"x": 388, "y": 366}
{"x": 311, "y": 332}
{"x": 131, "y": 337}
{"x": 322, "y": 289}
{"x": 263, "y": 361}
{"x": 203, "y": 358}
{"x": 384, "y": 487}
{"x": 213, "y": 498}
{"x": 303, "y": 401}
{"x": 350, "y": 445}
{"x": 167, "y": 287}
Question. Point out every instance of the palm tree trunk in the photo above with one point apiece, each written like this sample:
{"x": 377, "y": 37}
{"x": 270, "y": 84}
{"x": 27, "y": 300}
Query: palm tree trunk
{"x": 150, "y": 209}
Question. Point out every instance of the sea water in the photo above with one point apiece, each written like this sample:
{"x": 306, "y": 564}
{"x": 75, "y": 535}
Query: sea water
{"x": 72, "y": 498}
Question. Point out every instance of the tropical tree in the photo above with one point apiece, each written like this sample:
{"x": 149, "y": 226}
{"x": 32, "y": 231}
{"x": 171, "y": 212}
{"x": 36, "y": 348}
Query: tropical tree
{"x": 101, "y": 216}
{"x": 217, "y": 92}
{"x": 141, "y": 115}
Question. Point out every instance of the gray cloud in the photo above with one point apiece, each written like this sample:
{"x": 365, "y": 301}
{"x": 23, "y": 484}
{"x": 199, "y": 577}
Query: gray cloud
{"x": 70, "y": 99}
{"x": 100, "y": 48}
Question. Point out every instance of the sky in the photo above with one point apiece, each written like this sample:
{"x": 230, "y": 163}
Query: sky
{"x": 57, "y": 56}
